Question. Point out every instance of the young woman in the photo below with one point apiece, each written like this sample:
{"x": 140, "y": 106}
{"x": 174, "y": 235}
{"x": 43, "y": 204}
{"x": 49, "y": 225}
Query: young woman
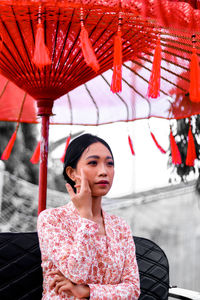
{"x": 87, "y": 253}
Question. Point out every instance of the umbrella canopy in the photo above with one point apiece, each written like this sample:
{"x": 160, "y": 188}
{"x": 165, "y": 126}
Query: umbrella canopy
{"x": 141, "y": 24}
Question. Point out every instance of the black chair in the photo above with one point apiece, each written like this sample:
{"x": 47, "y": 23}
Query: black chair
{"x": 21, "y": 273}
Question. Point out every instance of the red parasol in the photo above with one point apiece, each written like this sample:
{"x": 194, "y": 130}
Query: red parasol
{"x": 65, "y": 69}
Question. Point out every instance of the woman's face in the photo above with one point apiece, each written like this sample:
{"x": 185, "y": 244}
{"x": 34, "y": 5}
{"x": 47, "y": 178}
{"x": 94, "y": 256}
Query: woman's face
{"x": 98, "y": 166}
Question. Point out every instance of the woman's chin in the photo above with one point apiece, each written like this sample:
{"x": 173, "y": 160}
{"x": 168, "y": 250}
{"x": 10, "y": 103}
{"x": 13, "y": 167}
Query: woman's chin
{"x": 100, "y": 193}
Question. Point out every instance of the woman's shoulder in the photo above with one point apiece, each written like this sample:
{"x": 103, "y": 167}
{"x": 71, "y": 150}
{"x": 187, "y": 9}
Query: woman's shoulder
{"x": 55, "y": 213}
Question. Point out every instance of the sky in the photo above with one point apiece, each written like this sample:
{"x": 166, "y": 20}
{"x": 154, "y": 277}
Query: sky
{"x": 146, "y": 170}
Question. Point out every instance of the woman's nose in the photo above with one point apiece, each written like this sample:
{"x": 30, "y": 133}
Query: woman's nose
{"x": 102, "y": 170}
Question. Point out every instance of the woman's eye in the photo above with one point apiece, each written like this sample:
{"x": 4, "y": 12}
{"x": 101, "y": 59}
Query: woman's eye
{"x": 93, "y": 162}
{"x": 111, "y": 163}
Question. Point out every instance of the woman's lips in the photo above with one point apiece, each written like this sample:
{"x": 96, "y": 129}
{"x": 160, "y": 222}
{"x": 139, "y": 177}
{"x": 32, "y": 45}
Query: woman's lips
{"x": 103, "y": 182}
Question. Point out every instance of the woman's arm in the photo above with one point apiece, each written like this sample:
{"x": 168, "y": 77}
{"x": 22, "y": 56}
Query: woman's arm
{"x": 71, "y": 254}
{"x": 129, "y": 288}
{"x": 64, "y": 285}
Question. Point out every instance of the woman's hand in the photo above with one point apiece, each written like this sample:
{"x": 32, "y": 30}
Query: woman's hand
{"x": 64, "y": 285}
{"x": 82, "y": 199}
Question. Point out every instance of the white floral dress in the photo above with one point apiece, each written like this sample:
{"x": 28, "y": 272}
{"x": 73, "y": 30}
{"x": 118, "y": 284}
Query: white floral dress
{"x": 72, "y": 244}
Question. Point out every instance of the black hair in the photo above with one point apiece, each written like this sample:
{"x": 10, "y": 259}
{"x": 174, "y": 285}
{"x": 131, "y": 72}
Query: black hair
{"x": 76, "y": 149}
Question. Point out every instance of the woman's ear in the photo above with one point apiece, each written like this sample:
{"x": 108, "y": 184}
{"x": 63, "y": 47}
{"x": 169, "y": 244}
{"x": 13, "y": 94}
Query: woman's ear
{"x": 70, "y": 173}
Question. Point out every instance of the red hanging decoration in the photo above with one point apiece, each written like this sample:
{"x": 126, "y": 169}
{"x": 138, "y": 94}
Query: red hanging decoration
{"x": 86, "y": 45}
{"x": 41, "y": 52}
{"x": 176, "y": 156}
{"x": 157, "y": 144}
{"x": 154, "y": 82}
{"x": 116, "y": 85}
{"x": 194, "y": 89}
{"x": 131, "y": 145}
{"x": 36, "y": 155}
{"x": 191, "y": 151}
{"x": 66, "y": 146}
{"x": 6, "y": 153}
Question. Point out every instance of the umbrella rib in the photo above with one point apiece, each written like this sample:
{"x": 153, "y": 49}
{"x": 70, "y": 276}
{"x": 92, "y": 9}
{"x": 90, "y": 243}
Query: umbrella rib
{"x": 15, "y": 61}
{"x": 12, "y": 69}
{"x": 168, "y": 61}
{"x": 54, "y": 47}
{"x": 63, "y": 48}
{"x": 167, "y": 70}
{"x": 4, "y": 88}
{"x": 70, "y": 107}
{"x": 109, "y": 57}
{"x": 94, "y": 102}
{"x": 87, "y": 70}
{"x": 147, "y": 80}
{"x": 67, "y": 70}
{"x": 15, "y": 49}
{"x": 122, "y": 100}
{"x": 163, "y": 68}
{"x": 33, "y": 36}
{"x": 23, "y": 42}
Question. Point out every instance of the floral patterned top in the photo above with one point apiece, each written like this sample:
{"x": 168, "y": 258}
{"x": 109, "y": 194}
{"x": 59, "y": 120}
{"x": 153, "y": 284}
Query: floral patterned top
{"x": 72, "y": 244}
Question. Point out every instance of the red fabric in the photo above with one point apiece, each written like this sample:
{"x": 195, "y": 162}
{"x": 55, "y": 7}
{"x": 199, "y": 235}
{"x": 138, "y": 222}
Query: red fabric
{"x": 191, "y": 151}
{"x": 176, "y": 157}
{"x": 6, "y": 153}
{"x": 36, "y": 155}
{"x": 131, "y": 145}
{"x": 116, "y": 85}
{"x": 11, "y": 101}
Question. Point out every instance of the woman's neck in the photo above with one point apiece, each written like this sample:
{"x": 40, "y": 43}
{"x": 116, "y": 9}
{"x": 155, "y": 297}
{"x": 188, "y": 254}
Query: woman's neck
{"x": 96, "y": 206}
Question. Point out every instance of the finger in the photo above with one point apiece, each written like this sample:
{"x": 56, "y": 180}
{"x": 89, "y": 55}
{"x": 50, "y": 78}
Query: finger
{"x": 67, "y": 288}
{"x": 54, "y": 272}
{"x": 68, "y": 292}
{"x": 65, "y": 284}
{"x": 55, "y": 281}
{"x": 84, "y": 181}
{"x": 70, "y": 190}
{"x": 59, "y": 285}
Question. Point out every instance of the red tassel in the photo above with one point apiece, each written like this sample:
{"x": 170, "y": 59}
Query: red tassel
{"x": 88, "y": 52}
{"x": 41, "y": 52}
{"x": 66, "y": 146}
{"x": 131, "y": 145}
{"x": 155, "y": 141}
{"x": 36, "y": 155}
{"x": 194, "y": 89}
{"x": 191, "y": 151}
{"x": 154, "y": 82}
{"x": 116, "y": 85}
{"x": 176, "y": 157}
{"x": 6, "y": 153}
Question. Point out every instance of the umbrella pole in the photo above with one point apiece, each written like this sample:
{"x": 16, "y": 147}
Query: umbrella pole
{"x": 44, "y": 110}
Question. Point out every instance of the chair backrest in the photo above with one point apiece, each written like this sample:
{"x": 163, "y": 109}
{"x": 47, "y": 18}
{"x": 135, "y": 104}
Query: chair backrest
{"x": 21, "y": 273}
{"x": 153, "y": 268}
{"x": 20, "y": 266}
